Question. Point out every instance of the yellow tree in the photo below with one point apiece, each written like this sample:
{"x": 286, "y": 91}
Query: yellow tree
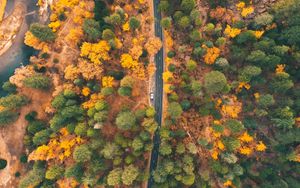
{"x": 71, "y": 72}
{"x": 211, "y": 55}
{"x": 90, "y": 70}
{"x": 96, "y": 52}
{"x": 136, "y": 51}
{"x": 153, "y": 45}
{"x": 32, "y": 41}
{"x": 74, "y": 36}
{"x": 107, "y": 81}
{"x": 127, "y": 61}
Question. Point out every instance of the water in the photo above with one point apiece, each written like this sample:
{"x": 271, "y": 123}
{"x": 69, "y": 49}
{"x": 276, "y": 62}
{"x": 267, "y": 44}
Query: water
{"x": 18, "y": 52}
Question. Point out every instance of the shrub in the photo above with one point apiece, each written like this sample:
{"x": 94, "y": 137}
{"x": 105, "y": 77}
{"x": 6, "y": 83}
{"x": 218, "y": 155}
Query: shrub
{"x": 3, "y": 164}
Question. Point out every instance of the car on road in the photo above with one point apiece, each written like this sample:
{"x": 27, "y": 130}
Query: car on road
{"x": 151, "y": 96}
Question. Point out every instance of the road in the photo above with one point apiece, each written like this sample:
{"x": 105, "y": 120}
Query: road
{"x": 158, "y": 94}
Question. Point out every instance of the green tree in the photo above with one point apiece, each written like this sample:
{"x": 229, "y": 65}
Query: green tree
{"x": 54, "y": 172}
{"x": 125, "y": 120}
{"x": 263, "y": 19}
{"x": 191, "y": 65}
{"x": 188, "y": 180}
{"x": 127, "y": 81}
{"x": 81, "y": 129}
{"x": 114, "y": 177}
{"x": 114, "y": 19}
{"x": 248, "y": 72}
{"x": 134, "y": 23}
{"x": 283, "y": 118}
{"x": 110, "y": 150}
{"x": 108, "y": 34}
{"x": 265, "y": 101}
{"x": 42, "y": 32}
{"x": 36, "y": 126}
{"x": 222, "y": 62}
{"x": 184, "y": 22}
{"x": 245, "y": 37}
{"x": 9, "y": 87}
{"x": 188, "y": 5}
{"x": 91, "y": 29}
{"x": 150, "y": 125}
{"x": 164, "y": 6}
{"x": 281, "y": 82}
{"x": 130, "y": 173}
{"x": 75, "y": 171}
{"x": 150, "y": 112}
{"x": 174, "y": 110}
{"x": 137, "y": 144}
{"x": 166, "y": 22}
{"x": 234, "y": 125}
{"x": 33, "y": 178}
{"x": 38, "y": 81}
{"x": 215, "y": 82}
{"x": 257, "y": 56}
{"x": 7, "y": 117}
{"x": 195, "y": 36}
{"x": 165, "y": 149}
{"x": 13, "y": 101}
{"x": 125, "y": 91}
{"x": 82, "y": 153}
{"x": 41, "y": 137}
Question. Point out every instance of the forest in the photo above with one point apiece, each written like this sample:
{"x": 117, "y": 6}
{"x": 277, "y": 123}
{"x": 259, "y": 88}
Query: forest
{"x": 231, "y": 96}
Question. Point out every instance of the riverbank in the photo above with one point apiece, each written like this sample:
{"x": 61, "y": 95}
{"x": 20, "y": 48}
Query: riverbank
{"x": 2, "y": 8}
{"x": 18, "y": 52}
{"x": 10, "y": 26}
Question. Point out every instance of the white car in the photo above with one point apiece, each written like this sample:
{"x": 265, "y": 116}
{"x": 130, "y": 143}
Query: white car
{"x": 152, "y": 96}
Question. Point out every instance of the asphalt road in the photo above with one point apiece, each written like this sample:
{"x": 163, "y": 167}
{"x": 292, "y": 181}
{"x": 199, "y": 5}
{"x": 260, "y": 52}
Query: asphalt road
{"x": 158, "y": 94}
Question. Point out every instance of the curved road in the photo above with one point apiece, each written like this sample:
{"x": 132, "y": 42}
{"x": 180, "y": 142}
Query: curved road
{"x": 158, "y": 95}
